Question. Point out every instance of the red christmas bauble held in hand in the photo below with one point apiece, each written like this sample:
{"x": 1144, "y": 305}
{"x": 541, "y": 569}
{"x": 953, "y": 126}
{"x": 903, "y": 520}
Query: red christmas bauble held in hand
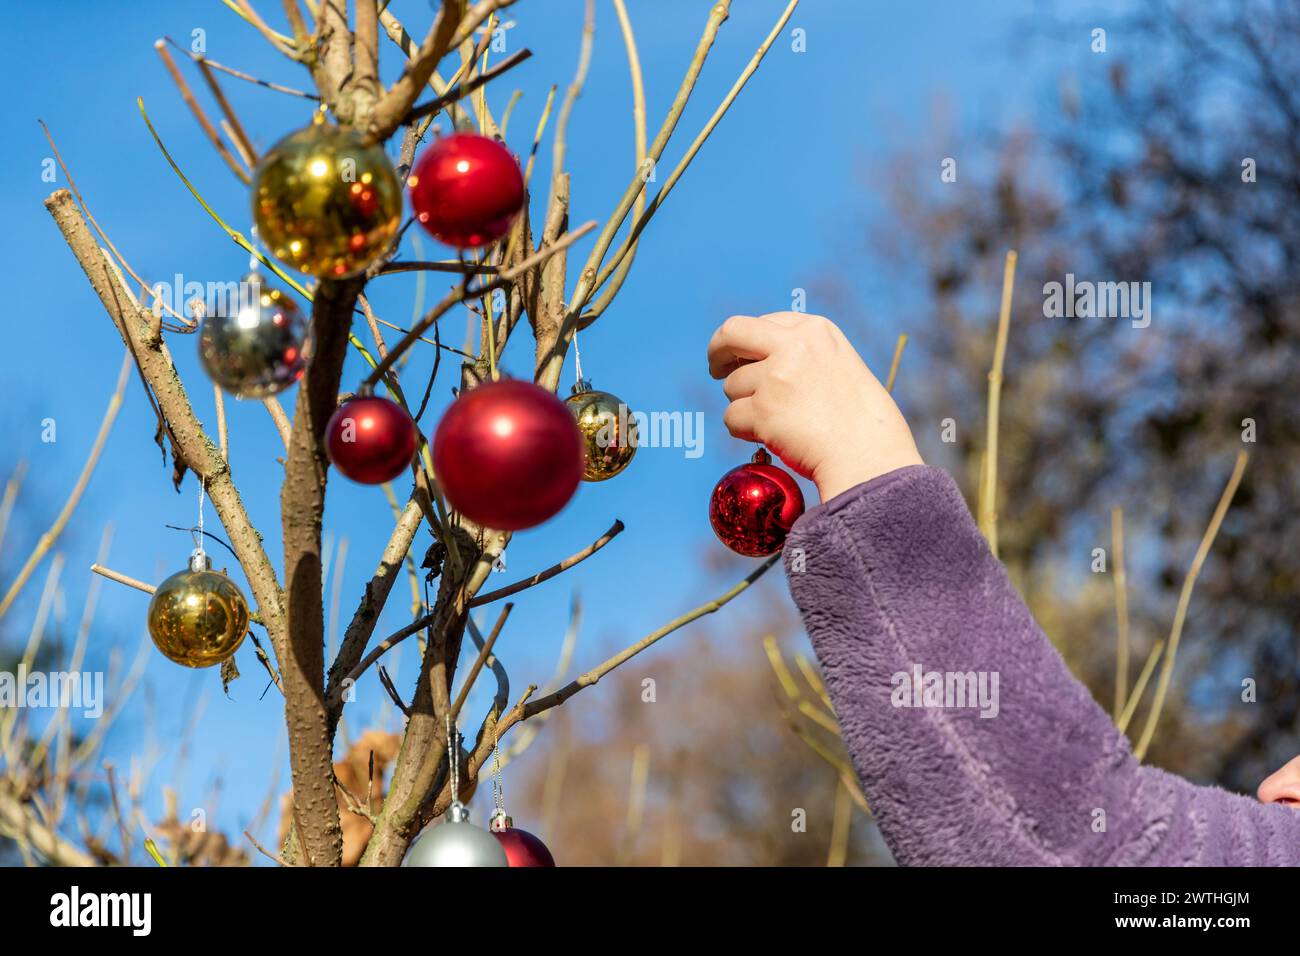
{"x": 507, "y": 454}
{"x": 370, "y": 439}
{"x": 522, "y": 848}
{"x": 754, "y": 506}
{"x": 466, "y": 190}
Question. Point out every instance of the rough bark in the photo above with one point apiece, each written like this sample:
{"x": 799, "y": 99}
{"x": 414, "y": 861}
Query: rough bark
{"x": 302, "y": 506}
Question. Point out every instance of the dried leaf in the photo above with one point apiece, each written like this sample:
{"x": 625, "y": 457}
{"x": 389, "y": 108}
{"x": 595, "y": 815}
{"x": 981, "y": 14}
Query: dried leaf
{"x": 229, "y": 674}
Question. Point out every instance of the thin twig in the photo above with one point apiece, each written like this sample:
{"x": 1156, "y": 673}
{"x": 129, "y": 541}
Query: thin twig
{"x": 537, "y": 134}
{"x": 477, "y": 666}
{"x": 232, "y": 123}
{"x": 462, "y": 294}
{"x": 475, "y": 18}
{"x": 393, "y": 695}
{"x": 265, "y": 852}
{"x": 893, "y": 366}
{"x": 1184, "y": 599}
{"x": 511, "y": 589}
{"x": 204, "y": 123}
{"x": 587, "y": 283}
{"x": 452, "y": 265}
{"x": 156, "y": 300}
{"x": 593, "y": 676}
{"x": 559, "y": 146}
{"x": 200, "y": 58}
{"x": 988, "y": 503}
{"x": 47, "y": 540}
{"x": 282, "y": 424}
{"x": 466, "y": 87}
{"x": 420, "y": 623}
{"x": 419, "y": 69}
{"x": 278, "y": 40}
{"x": 381, "y": 347}
{"x": 1121, "y": 610}
{"x": 639, "y": 142}
{"x": 293, "y": 13}
{"x": 223, "y": 438}
{"x": 14, "y": 483}
{"x": 122, "y": 578}
{"x": 1131, "y": 705}
{"x": 582, "y": 296}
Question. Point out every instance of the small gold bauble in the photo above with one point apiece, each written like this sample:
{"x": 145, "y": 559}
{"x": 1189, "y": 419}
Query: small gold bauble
{"x": 198, "y": 617}
{"x": 609, "y": 431}
{"x": 326, "y": 202}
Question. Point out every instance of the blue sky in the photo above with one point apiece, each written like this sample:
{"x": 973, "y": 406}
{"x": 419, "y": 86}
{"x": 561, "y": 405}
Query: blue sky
{"x": 777, "y": 200}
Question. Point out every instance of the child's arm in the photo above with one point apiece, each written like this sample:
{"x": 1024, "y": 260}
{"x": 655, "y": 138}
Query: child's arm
{"x": 896, "y": 575}
{"x": 891, "y": 575}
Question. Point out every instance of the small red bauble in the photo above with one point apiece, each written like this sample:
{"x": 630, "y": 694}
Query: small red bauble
{"x": 508, "y": 454}
{"x": 466, "y": 190}
{"x": 754, "y": 506}
{"x": 522, "y": 848}
{"x": 371, "y": 439}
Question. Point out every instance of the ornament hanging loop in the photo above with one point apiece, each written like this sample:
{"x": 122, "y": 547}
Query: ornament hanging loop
{"x": 253, "y": 261}
{"x": 457, "y": 811}
{"x": 580, "y": 383}
{"x": 199, "y": 557}
{"x": 498, "y": 790}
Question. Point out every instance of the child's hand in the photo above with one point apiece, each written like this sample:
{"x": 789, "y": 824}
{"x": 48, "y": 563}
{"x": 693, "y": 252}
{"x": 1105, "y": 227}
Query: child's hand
{"x": 797, "y": 386}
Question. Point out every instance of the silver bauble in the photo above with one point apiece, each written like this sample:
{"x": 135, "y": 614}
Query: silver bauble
{"x": 257, "y": 345}
{"x": 456, "y": 842}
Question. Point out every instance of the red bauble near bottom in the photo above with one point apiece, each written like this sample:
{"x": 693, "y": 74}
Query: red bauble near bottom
{"x": 370, "y": 439}
{"x": 754, "y": 506}
{"x": 522, "y": 848}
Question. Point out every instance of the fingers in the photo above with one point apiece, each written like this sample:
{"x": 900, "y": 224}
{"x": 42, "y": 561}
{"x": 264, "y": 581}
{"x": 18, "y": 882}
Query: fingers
{"x": 740, "y": 339}
{"x": 741, "y": 419}
{"x": 743, "y": 382}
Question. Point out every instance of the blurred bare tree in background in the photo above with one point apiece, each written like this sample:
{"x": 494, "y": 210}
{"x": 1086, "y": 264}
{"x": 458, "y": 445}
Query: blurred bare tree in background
{"x": 1169, "y": 158}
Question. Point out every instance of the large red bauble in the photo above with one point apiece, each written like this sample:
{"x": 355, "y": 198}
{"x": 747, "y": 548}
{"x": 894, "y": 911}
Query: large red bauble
{"x": 522, "y": 848}
{"x": 508, "y": 454}
{"x": 466, "y": 190}
{"x": 754, "y": 506}
{"x": 370, "y": 439}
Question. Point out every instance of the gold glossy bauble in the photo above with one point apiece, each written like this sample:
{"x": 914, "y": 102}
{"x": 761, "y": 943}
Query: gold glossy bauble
{"x": 326, "y": 202}
{"x": 608, "y": 428}
{"x": 256, "y": 345}
{"x": 198, "y": 617}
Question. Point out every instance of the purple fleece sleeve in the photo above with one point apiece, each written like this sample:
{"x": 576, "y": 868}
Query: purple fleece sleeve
{"x": 997, "y": 755}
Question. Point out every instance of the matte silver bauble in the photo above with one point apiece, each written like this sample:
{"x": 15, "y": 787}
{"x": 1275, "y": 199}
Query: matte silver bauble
{"x": 456, "y": 842}
{"x": 257, "y": 345}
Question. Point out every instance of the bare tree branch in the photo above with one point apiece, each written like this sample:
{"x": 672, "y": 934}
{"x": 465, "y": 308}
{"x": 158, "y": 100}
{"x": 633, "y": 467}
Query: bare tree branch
{"x": 302, "y": 503}
{"x": 462, "y": 294}
{"x": 466, "y": 87}
{"x": 477, "y": 666}
{"x": 641, "y": 221}
{"x": 206, "y": 124}
{"x": 510, "y": 589}
{"x": 523, "y": 711}
{"x": 155, "y": 364}
{"x": 401, "y": 96}
{"x": 362, "y": 626}
{"x": 551, "y": 360}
